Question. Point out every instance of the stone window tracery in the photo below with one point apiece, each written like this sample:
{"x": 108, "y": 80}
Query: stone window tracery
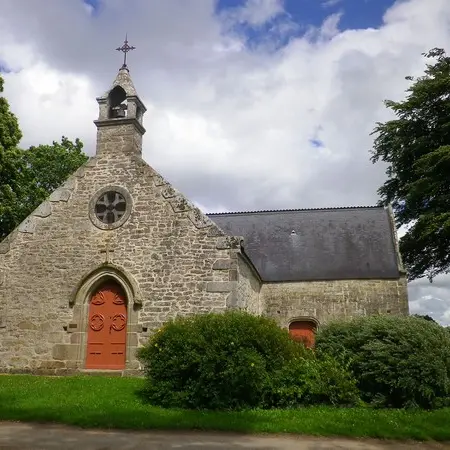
{"x": 110, "y": 207}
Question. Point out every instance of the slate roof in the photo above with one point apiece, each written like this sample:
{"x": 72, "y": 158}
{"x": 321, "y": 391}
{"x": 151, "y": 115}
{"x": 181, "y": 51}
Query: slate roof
{"x": 316, "y": 244}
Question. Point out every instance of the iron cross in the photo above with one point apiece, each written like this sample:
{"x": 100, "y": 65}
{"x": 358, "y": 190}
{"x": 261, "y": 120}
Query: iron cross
{"x": 125, "y": 49}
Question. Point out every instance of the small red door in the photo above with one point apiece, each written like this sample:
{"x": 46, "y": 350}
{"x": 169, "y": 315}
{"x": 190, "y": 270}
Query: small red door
{"x": 303, "y": 331}
{"x": 107, "y": 328}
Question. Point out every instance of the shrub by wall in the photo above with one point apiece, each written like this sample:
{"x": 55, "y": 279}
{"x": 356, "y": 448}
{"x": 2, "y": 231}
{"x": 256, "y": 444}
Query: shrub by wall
{"x": 312, "y": 381}
{"x": 236, "y": 360}
{"x": 397, "y": 361}
{"x": 215, "y": 361}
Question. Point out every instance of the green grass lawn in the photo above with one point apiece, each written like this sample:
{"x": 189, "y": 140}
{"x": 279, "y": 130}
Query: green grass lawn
{"x": 89, "y": 401}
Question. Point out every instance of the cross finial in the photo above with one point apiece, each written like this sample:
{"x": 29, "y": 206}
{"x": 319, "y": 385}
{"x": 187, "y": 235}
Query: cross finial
{"x": 125, "y": 49}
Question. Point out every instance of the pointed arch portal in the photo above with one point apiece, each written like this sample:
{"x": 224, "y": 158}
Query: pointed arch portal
{"x": 107, "y": 327}
{"x": 106, "y": 304}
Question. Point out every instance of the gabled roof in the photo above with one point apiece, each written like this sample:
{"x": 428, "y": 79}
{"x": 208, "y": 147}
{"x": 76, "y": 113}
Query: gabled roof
{"x": 316, "y": 244}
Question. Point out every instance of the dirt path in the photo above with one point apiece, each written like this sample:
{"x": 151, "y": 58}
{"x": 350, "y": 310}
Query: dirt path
{"x": 39, "y": 437}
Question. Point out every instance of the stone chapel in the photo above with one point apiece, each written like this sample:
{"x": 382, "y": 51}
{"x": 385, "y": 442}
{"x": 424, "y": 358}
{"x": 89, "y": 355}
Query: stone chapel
{"x": 116, "y": 251}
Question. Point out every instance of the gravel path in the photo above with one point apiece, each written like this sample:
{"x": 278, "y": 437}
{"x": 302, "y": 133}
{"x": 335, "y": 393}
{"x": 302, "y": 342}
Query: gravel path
{"x": 27, "y": 436}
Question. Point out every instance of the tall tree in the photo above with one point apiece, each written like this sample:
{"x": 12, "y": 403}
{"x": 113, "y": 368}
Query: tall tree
{"x": 416, "y": 147}
{"x": 27, "y": 177}
{"x": 11, "y": 166}
{"x": 47, "y": 166}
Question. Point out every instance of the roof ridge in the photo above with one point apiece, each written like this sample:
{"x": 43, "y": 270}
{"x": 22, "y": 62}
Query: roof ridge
{"x": 334, "y": 208}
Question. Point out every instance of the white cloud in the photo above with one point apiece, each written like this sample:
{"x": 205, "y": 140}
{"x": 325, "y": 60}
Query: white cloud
{"x": 230, "y": 126}
{"x": 89, "y": 9}
{"x": 38, "y": 92}
{"x": 431, "y": 298}
{"x": 256, "y": 12}
{"x": 328, "y": 30}
{"x": 17, "y": 56}
{"x": 330, "y": 3}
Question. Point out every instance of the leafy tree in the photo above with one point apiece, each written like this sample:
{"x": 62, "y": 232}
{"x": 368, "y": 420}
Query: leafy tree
{"x": 47, "y": 166}
{"x": 424, "y": 317}
{"x": 11, "y": 166}
{"x": 27, "y": 177}
{"x": 416, "y": 147}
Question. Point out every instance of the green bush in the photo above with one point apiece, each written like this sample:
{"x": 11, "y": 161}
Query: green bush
{"x": 215, "y": 361}
{"x": 397, "y": 361}
{"x": 311, "y": 381}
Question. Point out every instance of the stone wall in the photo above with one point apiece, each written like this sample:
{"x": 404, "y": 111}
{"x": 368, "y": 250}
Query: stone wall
{"x": 248, "y": 286}
{"x": 2, "y": 297}
{"x": 168, "y": 256}
{"x": 119, "y": 138}
{"x": 328, "y": 300}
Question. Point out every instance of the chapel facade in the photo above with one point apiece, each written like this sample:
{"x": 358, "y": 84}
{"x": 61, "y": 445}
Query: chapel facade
{"x": 116, "y": 251}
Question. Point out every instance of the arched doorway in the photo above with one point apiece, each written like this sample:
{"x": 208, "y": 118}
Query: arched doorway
{"x": 303, "y": 331}
{"x": 107, "y": 328}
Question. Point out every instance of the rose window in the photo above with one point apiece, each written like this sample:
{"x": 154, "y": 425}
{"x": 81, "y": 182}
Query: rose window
{"x": 110, "y": 207}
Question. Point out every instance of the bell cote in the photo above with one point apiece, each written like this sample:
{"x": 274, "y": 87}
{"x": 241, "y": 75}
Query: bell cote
{"x": 119, "y": 124}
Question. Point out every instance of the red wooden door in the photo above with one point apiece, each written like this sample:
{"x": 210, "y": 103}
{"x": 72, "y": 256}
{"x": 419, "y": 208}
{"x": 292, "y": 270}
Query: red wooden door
{"x": 107, "y": 328}
{"x": 303, "y": 331}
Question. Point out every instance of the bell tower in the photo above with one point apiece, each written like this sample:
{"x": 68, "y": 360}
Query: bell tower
{"x": 121, "y": 112}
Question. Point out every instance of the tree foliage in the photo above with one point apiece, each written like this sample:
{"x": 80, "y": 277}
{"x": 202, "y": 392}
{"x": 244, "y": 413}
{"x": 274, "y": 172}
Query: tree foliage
{"x": 11, "y": 174}
{"x": 424, "y": 317}
{"x": 27, "y": 177}
{"x": 47, "y": 167}
{"x": 416, "y": 147}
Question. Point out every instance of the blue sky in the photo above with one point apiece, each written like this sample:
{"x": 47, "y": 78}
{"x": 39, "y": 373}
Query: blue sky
{"x": 356, "y": 13}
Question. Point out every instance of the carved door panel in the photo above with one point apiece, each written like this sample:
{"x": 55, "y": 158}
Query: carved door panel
{"x": 303, "y": 331}
{"x": 107, "y": 328}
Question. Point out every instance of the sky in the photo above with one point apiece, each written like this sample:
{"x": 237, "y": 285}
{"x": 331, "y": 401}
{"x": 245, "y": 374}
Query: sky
{"x": 252, "y": 104}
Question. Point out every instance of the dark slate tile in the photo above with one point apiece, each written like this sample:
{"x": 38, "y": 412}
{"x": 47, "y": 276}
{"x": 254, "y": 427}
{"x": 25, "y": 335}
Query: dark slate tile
{"x": 316, "y": 244}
